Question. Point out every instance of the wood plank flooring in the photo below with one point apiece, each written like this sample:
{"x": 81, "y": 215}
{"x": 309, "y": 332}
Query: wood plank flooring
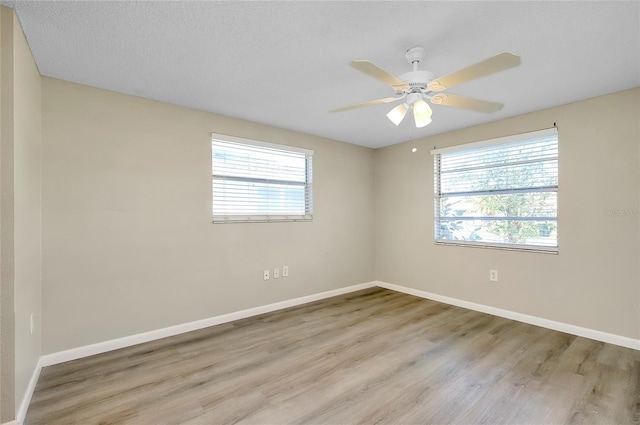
{"x": 369, "y": 357}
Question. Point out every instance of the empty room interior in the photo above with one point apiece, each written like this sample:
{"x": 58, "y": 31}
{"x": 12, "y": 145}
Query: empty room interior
{"x": 217, "y": 212}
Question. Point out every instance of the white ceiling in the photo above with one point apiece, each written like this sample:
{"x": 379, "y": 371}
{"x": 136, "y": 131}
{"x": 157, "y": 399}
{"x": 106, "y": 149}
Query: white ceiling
{"x": 285, "y": 63}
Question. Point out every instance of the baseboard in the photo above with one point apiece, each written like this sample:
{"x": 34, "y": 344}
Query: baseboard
{"x": 102, "y": 347}
{"x": 622, "y": 341}
{"x": 14, "y": 422}
{"x": 114, "y": 344}
{"x": 26, "y": 399}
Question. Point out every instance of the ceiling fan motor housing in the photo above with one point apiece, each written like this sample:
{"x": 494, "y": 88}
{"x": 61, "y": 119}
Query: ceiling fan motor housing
{"x": 417, "y": 80}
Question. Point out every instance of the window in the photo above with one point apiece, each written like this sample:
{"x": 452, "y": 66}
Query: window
{"x": 499, "y": 193}
{"x": 258, "y": 181}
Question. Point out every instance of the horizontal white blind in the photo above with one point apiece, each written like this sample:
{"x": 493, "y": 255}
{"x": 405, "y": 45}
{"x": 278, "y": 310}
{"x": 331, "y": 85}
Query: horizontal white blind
{"x": 504, "y": 194}
{"x": 263, "y": 182}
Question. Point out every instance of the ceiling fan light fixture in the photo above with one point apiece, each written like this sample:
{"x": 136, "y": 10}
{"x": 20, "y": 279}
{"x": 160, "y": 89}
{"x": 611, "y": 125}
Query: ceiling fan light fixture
{"x": 397, "y": 114}
{"x": 422, "y": 122}
{"x": 421, "y": 113}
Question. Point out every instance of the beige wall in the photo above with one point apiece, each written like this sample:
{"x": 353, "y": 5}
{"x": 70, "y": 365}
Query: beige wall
{"x": 593, "y": 282}
{"x": 27, "y": 210}
{"x": 128, "y": 243}
{"x": 20, "y": 233}
{"x": 7, "y": 322}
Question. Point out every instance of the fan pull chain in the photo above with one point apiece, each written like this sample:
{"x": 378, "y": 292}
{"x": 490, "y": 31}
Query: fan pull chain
{"x": 414, "y": 149}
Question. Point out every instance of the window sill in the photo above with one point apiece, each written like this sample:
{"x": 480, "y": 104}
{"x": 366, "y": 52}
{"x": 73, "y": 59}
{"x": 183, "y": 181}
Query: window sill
{"x": 261, "y": 219}
{"x": 501, "y": 247}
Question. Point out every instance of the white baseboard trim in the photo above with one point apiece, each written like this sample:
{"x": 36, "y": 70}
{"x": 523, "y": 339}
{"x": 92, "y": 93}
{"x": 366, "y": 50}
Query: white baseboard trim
{"x": 622, "y": 341}
{"x": 14, "y": 422}
{"x": 127, "y": 341}
{"x": 26, "y": 399}
{"x": 114, "y": 344}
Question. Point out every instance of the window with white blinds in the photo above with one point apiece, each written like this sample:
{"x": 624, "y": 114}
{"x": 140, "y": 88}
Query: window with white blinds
{"x": 259, "y": 181}
{"x": 499, "y": 193}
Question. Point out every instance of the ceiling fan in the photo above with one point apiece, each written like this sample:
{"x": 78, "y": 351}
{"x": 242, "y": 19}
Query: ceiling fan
{"x": 416, "y": 86}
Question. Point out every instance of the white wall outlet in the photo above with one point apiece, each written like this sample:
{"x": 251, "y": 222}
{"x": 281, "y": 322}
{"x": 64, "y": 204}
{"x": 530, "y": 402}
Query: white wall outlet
{"x": 493, "y": 275}
{"x": 266, "y": 275}
{"x": 32, "y": 324}
{"x": 285, "y": 271}
{"x": 276, "y": 273}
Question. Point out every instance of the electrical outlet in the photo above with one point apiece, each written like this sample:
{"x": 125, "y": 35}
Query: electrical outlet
{"x": 285, "y": 271}
{"x": 493, "y": 275}
{"x": 32, "y": 324}
{"x": 276, "y": 273}
{"x": 266, "y": 275}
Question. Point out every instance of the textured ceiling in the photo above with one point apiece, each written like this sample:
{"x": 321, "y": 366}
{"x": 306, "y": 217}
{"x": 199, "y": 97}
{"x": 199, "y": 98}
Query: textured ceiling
{"x": 285, "y": 63}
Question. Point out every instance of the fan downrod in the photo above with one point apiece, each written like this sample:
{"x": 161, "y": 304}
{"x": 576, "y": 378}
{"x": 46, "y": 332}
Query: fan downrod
{"x": 417, "y": 79}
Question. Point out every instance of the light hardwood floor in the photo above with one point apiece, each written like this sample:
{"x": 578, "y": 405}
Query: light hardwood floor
{"x": 370, "y": 357}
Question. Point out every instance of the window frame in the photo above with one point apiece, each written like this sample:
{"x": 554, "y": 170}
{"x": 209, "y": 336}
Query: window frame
{"x": 506, "y": 141}
{"x": 263, "y": 217}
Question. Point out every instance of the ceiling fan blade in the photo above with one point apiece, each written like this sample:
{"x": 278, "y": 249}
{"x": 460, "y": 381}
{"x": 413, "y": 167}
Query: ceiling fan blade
{"x": 464, "y": 102}
{"x": 378, "y": 73}
{"x": 368, "y": 103}
{"x": 504, "y": 60}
